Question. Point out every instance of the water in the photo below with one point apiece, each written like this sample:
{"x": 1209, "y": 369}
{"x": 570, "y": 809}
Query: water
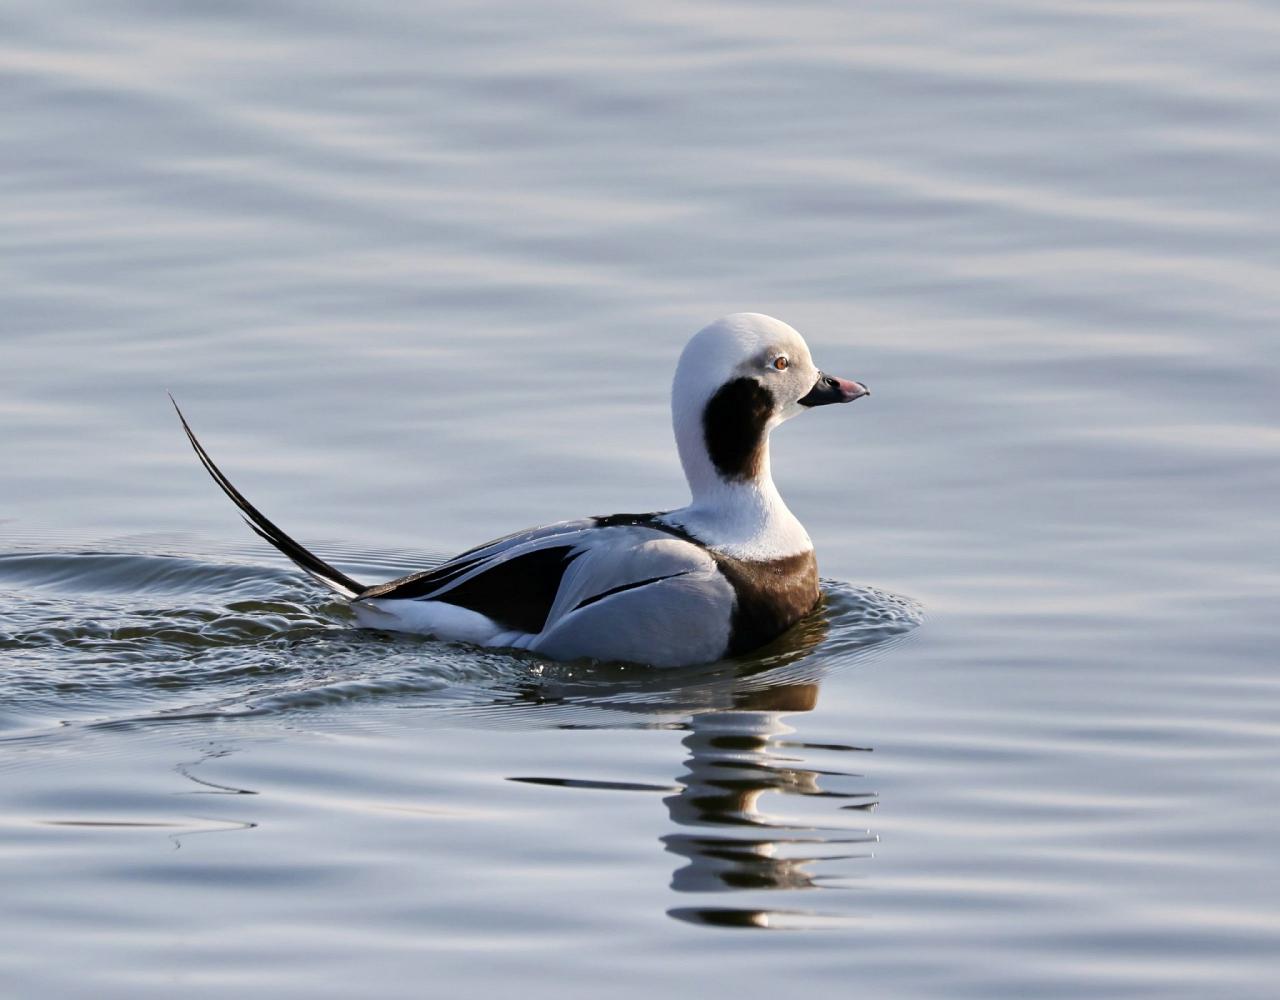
{"x": 419, "y": 275}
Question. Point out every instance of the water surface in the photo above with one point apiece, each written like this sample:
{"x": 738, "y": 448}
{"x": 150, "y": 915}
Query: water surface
{"x": 419, "y": 275}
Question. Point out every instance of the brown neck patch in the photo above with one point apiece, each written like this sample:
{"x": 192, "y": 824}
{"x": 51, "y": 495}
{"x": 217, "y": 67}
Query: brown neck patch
{"x": 733, "y": 427}
{"x": 771, "y": 597}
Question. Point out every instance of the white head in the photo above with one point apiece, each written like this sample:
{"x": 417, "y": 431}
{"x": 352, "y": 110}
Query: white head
{"x": 737, "y": 379}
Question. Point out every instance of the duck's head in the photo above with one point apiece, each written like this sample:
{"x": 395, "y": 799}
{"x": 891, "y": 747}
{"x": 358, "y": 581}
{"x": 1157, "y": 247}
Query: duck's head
{"x": 737, "y": 379}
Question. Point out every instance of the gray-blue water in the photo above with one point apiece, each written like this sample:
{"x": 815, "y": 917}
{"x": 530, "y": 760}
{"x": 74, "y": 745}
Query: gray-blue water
{"x": 419, "y": 275}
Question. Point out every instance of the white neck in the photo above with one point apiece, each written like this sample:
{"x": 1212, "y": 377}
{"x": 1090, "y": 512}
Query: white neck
{"x": 745, "y": 519}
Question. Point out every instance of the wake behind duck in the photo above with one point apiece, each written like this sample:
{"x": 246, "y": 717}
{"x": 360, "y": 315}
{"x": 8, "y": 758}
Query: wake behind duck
{"x": 722, "y": 576}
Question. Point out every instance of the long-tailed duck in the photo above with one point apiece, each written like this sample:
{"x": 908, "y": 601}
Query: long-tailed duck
{"x": 728, "y": 573}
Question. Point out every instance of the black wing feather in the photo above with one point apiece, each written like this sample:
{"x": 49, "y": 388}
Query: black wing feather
{"x": 423, "y": 583}
{"x": 516, "y": 592}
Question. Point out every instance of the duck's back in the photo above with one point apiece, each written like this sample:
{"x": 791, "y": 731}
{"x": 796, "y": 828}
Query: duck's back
{"x": 624, "y": 587}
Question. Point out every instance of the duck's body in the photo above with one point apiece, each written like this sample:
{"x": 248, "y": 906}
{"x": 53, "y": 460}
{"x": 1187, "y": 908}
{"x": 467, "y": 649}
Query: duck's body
{"x": 628, "y": 587}
{"x": 729, "y": 572}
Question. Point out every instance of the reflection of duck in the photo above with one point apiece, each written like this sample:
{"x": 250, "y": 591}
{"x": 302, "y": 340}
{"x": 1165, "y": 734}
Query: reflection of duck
{"x": 732, "y": 836}
{"x": 734, "y": 760}
{"x": 738, "y": 756}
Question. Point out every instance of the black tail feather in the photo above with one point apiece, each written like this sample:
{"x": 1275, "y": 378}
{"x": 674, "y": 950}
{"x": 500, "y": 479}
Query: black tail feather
{"x": 318, "y": 568}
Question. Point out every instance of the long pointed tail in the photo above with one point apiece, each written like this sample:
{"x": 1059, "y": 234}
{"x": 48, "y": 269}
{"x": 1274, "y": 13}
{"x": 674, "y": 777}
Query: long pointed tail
{"x": 318, "y": 568}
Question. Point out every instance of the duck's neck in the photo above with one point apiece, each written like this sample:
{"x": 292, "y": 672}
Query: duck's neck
{"x": 741, "y": 517}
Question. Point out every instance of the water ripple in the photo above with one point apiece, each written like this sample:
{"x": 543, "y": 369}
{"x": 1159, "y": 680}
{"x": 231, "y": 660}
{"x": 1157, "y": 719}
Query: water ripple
{"x": 240, "y": 638}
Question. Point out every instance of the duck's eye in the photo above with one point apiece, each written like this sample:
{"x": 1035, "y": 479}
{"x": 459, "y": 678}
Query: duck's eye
{"x": 781, "y": 363}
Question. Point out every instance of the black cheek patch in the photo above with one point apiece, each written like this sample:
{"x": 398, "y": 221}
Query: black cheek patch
{"x": 733, "y": 426}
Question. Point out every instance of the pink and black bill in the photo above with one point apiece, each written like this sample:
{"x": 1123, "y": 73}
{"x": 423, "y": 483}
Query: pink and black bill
{"x": 831, "y": 389}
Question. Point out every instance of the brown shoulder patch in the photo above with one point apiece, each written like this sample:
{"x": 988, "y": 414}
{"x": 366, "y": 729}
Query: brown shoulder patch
{"x": 771, "y": 597}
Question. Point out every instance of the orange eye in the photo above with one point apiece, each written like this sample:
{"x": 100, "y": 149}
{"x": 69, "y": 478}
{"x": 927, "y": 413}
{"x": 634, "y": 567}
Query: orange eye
{"x": 780, "y": 363}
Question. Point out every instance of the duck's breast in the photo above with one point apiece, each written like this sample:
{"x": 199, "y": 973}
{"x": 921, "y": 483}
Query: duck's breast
{"x": 769, "y": 596}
